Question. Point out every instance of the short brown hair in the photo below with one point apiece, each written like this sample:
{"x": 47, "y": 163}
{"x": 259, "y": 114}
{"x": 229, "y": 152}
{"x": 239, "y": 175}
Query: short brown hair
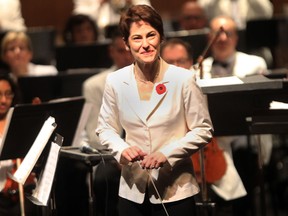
{"x": 136, "y": 13}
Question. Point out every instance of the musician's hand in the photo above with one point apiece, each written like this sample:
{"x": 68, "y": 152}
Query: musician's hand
{"x": 132, "y": 154}
{"x": 36, "y": 100}
{"x": 153, "y": 161}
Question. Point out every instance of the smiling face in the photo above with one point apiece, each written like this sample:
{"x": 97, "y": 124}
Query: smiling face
{"x": 144, "y": 42}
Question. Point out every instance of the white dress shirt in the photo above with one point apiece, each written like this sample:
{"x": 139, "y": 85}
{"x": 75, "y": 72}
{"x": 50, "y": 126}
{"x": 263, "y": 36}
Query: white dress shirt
{"x": 11, "y": 16}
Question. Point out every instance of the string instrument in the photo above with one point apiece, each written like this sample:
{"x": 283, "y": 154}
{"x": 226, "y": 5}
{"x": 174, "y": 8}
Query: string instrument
{"x": 11, "y": 188}
{"x": 199, "y": 158}
{"x": 214, "y": 162}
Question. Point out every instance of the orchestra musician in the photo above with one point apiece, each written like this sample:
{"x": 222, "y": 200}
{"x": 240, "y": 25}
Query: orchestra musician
{"x": 12, "y": 200}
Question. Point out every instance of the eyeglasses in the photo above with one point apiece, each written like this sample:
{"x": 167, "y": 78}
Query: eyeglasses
{"x": 7, "y": 95}
{"x": 177, "y": 61}
{"x": 228, "y": 34}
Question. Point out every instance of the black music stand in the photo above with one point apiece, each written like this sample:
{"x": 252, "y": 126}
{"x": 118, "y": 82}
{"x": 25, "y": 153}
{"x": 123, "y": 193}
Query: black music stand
{"x": 90, "y": 160}
{"x": 25, "y": 121}
{"x": 53, "y": 87}
{"x": 267, "y": 122}
{"x": 230, "y": 107}
{"x": 83, "y": 56}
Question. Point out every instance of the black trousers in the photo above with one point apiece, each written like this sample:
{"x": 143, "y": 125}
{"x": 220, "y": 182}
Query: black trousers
{"x": 185, "y": 207}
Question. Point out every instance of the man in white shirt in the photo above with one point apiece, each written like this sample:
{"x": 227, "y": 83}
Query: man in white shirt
{"x": 225, "y": 59}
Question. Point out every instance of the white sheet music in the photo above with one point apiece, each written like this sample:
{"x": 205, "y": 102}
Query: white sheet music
{"x": 232, "y": 80}
{"x": 278, "y": 105}
{"x": 35, "y": 151}
{"x": 41, "y": 193}
{"x": 81, "y": 124}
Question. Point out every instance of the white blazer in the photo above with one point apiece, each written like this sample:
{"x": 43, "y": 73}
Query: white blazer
{"x": 176, "y": 123}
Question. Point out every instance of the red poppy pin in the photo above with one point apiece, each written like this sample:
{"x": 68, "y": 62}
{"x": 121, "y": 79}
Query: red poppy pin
{"x": 160, "y": 88}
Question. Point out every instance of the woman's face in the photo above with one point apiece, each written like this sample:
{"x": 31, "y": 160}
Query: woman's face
{"x": 6, "y": 97}
{"x": 144, "y": 42}
{"x": 17, "y": 54}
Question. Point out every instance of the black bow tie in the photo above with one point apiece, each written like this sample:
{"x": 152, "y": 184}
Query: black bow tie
{"x": 219, "y": 63}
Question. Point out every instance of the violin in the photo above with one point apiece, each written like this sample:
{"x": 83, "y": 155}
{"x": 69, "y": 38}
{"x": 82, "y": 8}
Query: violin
{"x": 214, "y": 160}
{"x": 11, "y": 188}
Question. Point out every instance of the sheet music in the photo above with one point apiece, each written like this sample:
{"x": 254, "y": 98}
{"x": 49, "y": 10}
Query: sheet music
{"x": 35, "y": 151}
{"x": 232, "y": 80}
{"x": 278, "y": 105}
{"x": 41, "y": 193}
{"x": 6, "y": 127}
{"x": 81, "y": 124}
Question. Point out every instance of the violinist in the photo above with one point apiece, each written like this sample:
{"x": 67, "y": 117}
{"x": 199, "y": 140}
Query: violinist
{"x": 9, "y": 193}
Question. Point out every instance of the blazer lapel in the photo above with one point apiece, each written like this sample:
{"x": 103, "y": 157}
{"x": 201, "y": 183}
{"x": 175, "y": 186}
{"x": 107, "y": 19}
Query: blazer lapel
{"x": 156, "y": 99}
{"x": 132, "y": 97}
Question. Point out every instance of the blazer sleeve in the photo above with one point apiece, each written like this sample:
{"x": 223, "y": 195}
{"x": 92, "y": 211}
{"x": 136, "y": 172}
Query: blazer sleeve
{"x": 199, "y": 125}
{"x": 109, "y": 128}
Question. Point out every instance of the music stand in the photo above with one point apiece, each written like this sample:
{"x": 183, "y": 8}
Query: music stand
{"x": 26, "y": 121}
{"x": 241, "y": 102}
{"x": 52, "y": 87}
{"x": 83, "y": 56}
{"x": 90, "y": 160}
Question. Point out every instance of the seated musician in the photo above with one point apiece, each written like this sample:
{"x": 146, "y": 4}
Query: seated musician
{"x": 226, "y": 61}
{"x": 9, "y": 189}
{"x": 17, "y": 53}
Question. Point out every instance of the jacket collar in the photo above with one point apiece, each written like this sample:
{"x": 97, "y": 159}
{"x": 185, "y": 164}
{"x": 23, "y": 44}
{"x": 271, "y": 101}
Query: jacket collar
{"x": 132, "y": 96}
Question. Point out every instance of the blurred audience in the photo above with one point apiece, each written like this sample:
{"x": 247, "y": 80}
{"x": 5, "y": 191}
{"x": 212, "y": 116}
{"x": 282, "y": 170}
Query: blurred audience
{"x": 192, "y": 16}
{"x": 17, "y": 53}
{"x": 80, "y": 29}
{"x": 11, "y": 16}
{"x": 240, "y": 10}
{"x": 104, "y": 12}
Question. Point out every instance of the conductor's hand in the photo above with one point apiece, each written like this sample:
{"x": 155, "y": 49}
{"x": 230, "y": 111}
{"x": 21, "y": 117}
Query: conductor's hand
{"x": 153, "y": 161}
{"x": 132, "y": 154}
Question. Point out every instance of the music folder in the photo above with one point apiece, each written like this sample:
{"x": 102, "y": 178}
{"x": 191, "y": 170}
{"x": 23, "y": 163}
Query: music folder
{"x": 24, "y": 122}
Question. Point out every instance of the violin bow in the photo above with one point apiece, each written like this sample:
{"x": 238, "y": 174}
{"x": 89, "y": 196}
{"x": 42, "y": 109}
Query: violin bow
{"x": 204, "y": 53}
